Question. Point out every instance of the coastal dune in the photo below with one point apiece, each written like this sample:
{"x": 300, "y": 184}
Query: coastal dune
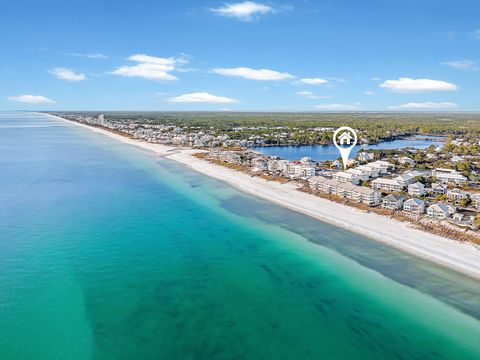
{"x": 460, "y": 256}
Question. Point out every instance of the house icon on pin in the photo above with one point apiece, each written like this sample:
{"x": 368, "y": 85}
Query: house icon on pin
{"x": 345, "y": 138}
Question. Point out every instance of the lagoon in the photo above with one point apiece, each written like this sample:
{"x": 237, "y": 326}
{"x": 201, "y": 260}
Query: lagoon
{"x": 330, "y": 152}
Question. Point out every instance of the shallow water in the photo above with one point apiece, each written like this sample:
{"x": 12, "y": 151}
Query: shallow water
{"x": 107, "y": 252}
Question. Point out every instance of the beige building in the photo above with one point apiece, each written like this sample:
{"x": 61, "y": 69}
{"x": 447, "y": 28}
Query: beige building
{"x": 390, "y": 185}
{"x": 346, "y": 190}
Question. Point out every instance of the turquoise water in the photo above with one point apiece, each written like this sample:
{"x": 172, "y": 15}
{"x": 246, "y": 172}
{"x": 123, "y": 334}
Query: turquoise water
{"x": 330, "y": 152}
{"x": 107, "y": 252}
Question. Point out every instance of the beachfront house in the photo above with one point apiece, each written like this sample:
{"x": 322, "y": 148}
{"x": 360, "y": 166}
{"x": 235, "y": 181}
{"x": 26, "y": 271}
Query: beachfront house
{"x": 416, "y": 189}
{"x": 259, "y": 164}
{"x": 300, "y": 171}
{"x": 393, "y": 201}
{"x": 465, "y": 220}
{"x": 384, "y": 184}
{"x": 440, "y": 211}
{"x": 316, "y": 182}
{"x": 366, "y": 196}
{"x": 414, "y": 205}
{"x": 308, "y": 172}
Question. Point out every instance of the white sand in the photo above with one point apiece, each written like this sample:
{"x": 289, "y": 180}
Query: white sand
{"x": 459, "y": 256}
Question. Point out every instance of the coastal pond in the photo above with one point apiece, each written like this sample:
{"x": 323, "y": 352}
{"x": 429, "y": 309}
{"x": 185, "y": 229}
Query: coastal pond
{"x": 330, "y": 152}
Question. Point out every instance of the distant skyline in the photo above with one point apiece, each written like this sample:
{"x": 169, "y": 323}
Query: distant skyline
{"x": 307, "y": 55}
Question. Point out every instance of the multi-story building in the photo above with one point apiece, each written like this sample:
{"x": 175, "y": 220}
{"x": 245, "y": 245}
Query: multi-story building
{"x": 343, "y": 176}
{"x": 362, "y": 175}
{"x": 440, "y": 211}
{"x": 390, "y": 185}
{"x": 416, "y": 189}
{"x": 456, "y": 195}
{"x": 449, "y": 176}
{"x": 366, "y": 196}
{"x": 457, "y": 179}
{"x": 369, "y": 170}
{"x": 393, "y": 201}
{"x": 438, "y": 189}
{"x": 259, "y": 164}
{"x": 381, "y": 166}
{"x": 414, "y": 206}
{"x": 405, "y": 179}
{"x": 346, "y": 190}
{"x": 308, "y": 171}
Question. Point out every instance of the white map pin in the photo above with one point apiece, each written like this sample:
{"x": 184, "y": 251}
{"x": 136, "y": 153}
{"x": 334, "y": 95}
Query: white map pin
{"x": 345, "y": 136}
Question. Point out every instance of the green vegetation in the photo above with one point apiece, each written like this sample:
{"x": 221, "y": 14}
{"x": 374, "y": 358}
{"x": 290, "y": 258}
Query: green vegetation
{"x": 309, "y": 128}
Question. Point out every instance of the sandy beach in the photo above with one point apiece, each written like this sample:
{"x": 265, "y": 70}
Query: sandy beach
{"x": 459, "y": 256}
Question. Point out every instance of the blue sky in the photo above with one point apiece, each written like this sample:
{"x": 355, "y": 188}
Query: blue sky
{"x": 264, "y": 55}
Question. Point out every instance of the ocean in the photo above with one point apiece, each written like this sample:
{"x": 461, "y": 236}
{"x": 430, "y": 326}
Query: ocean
{"x": 109, "y": 252}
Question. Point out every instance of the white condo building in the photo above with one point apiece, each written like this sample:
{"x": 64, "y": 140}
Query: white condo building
{"x": 346, "y": 190}
{"x": 362, "y": 175}
{"x": 343, "y": 176}
{"x": 384, "y": 184}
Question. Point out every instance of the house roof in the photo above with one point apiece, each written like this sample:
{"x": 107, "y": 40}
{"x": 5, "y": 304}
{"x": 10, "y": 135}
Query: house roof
{"x": 440, "y": 207}
{"x": 394, "y": 197}
{"x": 404, "y": 176}
{"x": 414, "y": 201}
{"x": 386, "y": 181}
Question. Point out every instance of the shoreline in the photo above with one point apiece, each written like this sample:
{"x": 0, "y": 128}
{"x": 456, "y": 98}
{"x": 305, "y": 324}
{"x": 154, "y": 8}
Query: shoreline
{"x": 459, "y": 256}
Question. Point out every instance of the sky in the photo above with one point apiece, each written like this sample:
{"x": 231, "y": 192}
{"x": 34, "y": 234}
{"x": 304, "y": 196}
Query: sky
{"x": 151, "y": 55}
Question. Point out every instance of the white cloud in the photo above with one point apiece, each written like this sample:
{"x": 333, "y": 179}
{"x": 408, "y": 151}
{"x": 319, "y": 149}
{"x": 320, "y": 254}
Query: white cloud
{"x": 313, "y": 81}
{"x": 425, "y": 106}
{"x": 31, "y": 99}
{"x": 96, "y": 56}
{"x": 89, "y": 55}
{"x": 150, "y": 67}
{"x": 253, "y": 74}
{"x": 369, "y": 93}
{"x": 310, "y": 95}
{"x": 203, "y": 97}
{"x": 408, "y": 85}
{"x": 244, "y": 11}
{"x": 336, "y": 107}
{"x": 476, "y": 34}
{"x": 67, "y": 74}
{"x": 462, "y": 64}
